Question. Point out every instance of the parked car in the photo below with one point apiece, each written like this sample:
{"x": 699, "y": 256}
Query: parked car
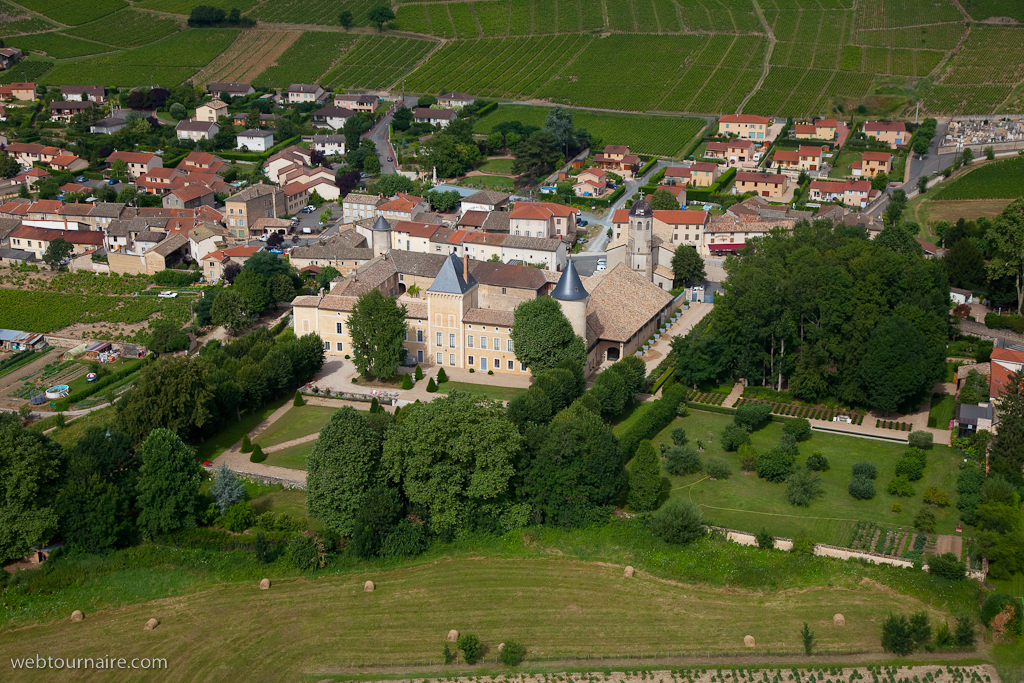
{"x": 81, "y": 179}
{"x": 167, "y": 294}
{"x": 111, "y": 182}
{"x": 306, "y": 209}
{"x": 602, "y": 264}
{"x": 391, "y": 158}
{"x": 365, "y": 175}
{"x": 583, "y": 222}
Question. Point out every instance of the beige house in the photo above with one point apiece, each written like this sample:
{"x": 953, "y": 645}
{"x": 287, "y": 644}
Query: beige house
{"x": 871, "y": 164}
{"x": 305, "y": 92}
{"x": 803, "y": 159}
{"x": 771, "y": 185}
{"x": 542, "y": 219}
{"x": 745, "y": 126}
{"x": 735, "y": 151}
{"x": 211, "y": 111}
{"x": 356, "y": 206}
{"x": 619, "y": 160}
{"x": 644, "y": 240}
{"x": 854, "y": 193}
{"x": 251, "y": 204}
{"x": 137, "y": 162}
{"x": 345, "y": 251}
{"x": 363, "y": 103}
{"x": 697, "y": 174}
{"x": 820, "y": 129}
{"x": 196, "y": 130}
{"x": 402, "y": 207}
{"x": 893, "y": 132}
{"x": 214, "y": 263}
{"x": 37, "y": 240}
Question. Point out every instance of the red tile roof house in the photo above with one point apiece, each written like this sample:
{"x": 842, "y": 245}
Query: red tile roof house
{"x": 735, "y": 151}
{"x": 69, "y": 163}
{"x": 803, "y": 159}
{"x": 618, "y": 158}
{"x": 37, "y": 240}
{"x": 213, "y": 264}
{"x": 856, "y": 193}
{"x": 191, "y": 197}
{"x": 744, "y": 126}
{"x": 137, "y": 162}
{"x": 698, "y": 174}
{"x": 1004, "y": 363}
{"x": 770, "y": 185}
{"x": 402, "y": 207}
{"x": 871, "y": 164}
{"x": 542, "y": 219}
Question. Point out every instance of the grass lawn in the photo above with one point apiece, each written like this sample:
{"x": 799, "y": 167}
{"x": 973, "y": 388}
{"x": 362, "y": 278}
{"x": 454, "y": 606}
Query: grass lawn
{"x": 299, "y": 421}
{"x": 293, "y": 457}
{"x": 75, "y": 429}
{"x": 621, "y": 422}
{"x": 497, "y": 166}
{"x": 490, "y": 182}
{"x": 748, "y": 503}
{"x": 942, "y": 411}
{"x": 215, "y": 445}
{"x": 485, "y": 390}
{"x": 563, "y": 608}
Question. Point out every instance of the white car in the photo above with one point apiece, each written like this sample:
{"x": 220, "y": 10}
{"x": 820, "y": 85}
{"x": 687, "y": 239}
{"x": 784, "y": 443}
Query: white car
{"x": 602, "y": 265}
{"x": 167, "y": 294}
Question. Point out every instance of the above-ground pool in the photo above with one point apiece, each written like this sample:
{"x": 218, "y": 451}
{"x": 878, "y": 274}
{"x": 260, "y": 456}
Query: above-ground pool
{"x": 58, "y": 391}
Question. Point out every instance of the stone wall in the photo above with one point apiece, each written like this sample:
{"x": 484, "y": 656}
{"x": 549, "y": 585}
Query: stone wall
{"x": 129, "y": 264}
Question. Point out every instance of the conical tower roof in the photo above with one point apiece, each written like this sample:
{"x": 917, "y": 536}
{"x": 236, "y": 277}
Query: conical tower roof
{"x": 449, "y": 279}
{"x": 381, "y": 224}
{"x": 569, "y": 287}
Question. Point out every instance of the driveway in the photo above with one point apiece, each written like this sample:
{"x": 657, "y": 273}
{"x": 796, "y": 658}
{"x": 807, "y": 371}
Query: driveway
{"x": 379, "y": 135}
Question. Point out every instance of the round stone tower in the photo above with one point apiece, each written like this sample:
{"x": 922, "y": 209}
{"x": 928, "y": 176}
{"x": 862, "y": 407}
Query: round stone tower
{"x": 573, "y": 298}
{"x": 381, "y": 236}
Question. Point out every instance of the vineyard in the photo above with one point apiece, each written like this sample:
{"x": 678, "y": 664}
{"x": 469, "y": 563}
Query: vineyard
{"x": 377, "y": 62}
{"x": 16, "y": 20}
{"x": 44, "y": 312}
{"x": 307, "y": 59}
{"x": 247, "y": 57}
{"x": 312, "y": 11}
{"x": 185, "y": 6}
{"x": 980, "y": 10}
{"x": 27, "y": 70}
{"x": 60, "y": 46}
{"x": 999, "y": 180}
{"x": 661, "y": 135}
{"x": 127, "y": 28}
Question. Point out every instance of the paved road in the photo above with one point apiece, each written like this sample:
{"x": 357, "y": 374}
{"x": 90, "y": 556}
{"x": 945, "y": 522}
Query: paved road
{"x": 380, "y": 138}
{"x": 931, "y": 163}
{"x": 597, "y": 245}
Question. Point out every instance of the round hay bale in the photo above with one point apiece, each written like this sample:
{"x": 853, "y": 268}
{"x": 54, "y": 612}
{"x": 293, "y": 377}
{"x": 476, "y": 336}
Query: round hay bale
{"x": 501, "y": 646}
{"x": 150, "y": 625}
{"x": 453, "y": 636}
{"x": 838, "y": 620}
{"x": 265, "y": 584}
{"x": 77, "y": 615}
{"x": 368, "y": 587}
{"x": 748, "y": 641}
{"x": 628, "y": 573}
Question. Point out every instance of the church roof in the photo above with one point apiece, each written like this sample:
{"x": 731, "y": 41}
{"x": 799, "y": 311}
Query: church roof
{"x": 449, "y": 279}
{"x": 641, "y": 208}
{"x": 569, "y": 287}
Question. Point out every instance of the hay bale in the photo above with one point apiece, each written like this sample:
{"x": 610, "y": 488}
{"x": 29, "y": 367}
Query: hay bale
{"x": 150, "y": 625}
{"x": 838, "y": 620}
{"x": 368, "y": 587}
{"x": 265, "y": 584}
{"x": 748, "y": 641}
{"x": 453, "y": 636}
{"x": 77, "y": 615}
{"x": 501, "y": 646}
{"x": 628, "y": 573}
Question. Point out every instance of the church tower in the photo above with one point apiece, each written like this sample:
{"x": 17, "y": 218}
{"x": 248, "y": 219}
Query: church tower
{"x": 573, "y": 299}
{"x": 641, "y": 223}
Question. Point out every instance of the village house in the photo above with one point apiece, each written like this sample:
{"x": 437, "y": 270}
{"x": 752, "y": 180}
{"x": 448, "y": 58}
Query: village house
{"x": 26, "y": 92}
{"x": 137, "y": 162}
{"x": 296, "y": 196}
{"x": 190, "y": 197}
{"x": 63, "y": 111}
{"x": 592, "y": 182}
{"x": 619, "y": 160}
{"x": 735, "y": 151}
{"x": 222, "y": 90}
{"x": 402, "y": 207}
{"x": 485, "y": 200}
{"x": 356, "y": 206}
{"x": 820, "y": 129}
{"x": 332, "y": 117}
{"x": 856, "y": 193}
{"x": 288, "y": 158}
{"x": 542, "y": 219}
{"x": 454, "y": 100}
{"x": 196, "y": 130}
{"x": 345, "y": 252}
{"x": 204, "y": 162}
{"x": 771, "y": 185}
{"x": 329, "y": 145}
{"x": 211, "y": 111}
{"x": 68, "y": 163}
{"x": 255, "y": 140}
{"x": 893, "y": 132}
{"x": 28, "y": 153}
{"x": 206, "y": 238}
{"x": 252, "y": 203}
{"x": 697, "y": 174}
{"x": 363, "y": 103}
{"x": 305, "y": 92}
{"x": 435, "y": 117}
{"x": 107, "y": 126}
{"x": 803, "y": 159}
{"x": 214, "y": 263}
{"x": 744, "y": 126}
{"x": 37, "y": 240}
{"x": 84, "y": 93}
{"x": 871, "y": 164}
{"x": 9, "y": 56}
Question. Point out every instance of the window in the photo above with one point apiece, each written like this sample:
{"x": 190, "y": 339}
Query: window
{"x": 419, "y": 336}
{"x": 469, "y": 360}
{"x": 451, "y": 359}
{"x": 469, "y": 341}
{"x": 483, "y": 342}
{"x": 419, "y": 356}
{"x": 509, "y": 345}
{"x": 438, "y": 339}
{"x": 497, "y": 364}
{"x": 339, "y": 346}
{"x": 401, "y": 277}
{"x": 440, "y": 358}
{"x": 327, "y": 346}
{"x": 305, "y": 326}
{"x": 503, "y": 290}
{"x": 511, "y": 365}
{"x": 451, "y": 341}
{"x": 338, "y": 328}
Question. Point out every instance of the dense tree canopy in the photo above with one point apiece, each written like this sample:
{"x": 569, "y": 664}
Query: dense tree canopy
{"x": 543, "y": 336}
{"x": 377, "y": 328}
{"x": 168, "y": 484}
{"x": 29, "y": 467}
{"x": 805, "y": 308}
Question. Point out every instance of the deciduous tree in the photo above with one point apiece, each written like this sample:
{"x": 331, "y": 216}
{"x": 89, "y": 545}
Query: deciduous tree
{"x": 58, "y": 251}
{"x": 29, "y": 467}
{"x": 543, "y": 337}
{"x": 644, "y": 478}
{"x": 168, "y": 484}
{"x": 687, "y": 265}
{"x": 377, "y": 328}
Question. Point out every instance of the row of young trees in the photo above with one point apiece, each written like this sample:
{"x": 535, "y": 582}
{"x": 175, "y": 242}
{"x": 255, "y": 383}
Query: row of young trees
{"x": 830, "y": 313}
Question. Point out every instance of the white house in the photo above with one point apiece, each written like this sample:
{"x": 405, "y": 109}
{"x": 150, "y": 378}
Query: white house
{"x": 961, "y": 296}
{"x": 453, "y": 100}
{"x": 255, "y": 140}
{"x": 331, "y": 117}
{"x": 435, "y": 117}
{"x": 330, "y": 145}
{"x": 196, "y": 130}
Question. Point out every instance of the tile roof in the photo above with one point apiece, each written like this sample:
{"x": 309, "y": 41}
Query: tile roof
{"x": 487, "y": 197}
{"x": 303, "y": 87}
{"x": 473, "y": 219}
{"x": 616, "y": 149}
{"x": 169, "y": 245}
{"x": 132, "y": 157}
{"x": 504, "y": 275}
{"x": 241, "y": 251}
{"x": 331, "y": 111}
{"x": 489, "y": 316}
{"x": 197, "y": 191}
{"x": 196, "y": 126}
{"x": 750, "y": 177}
{"x": 335, "y": 248}
{"x": 876, "y": 156}
{"x": 107, "y": 209}
{"x": 433, "y": 114}
{"x": 417, "y": 229}
{"x": 47, "y": 234}
{"x": 251, "y": 192}
{"x": 415, "y": 263}
{"x": 622, "y": 302}
{"x": 356, "y": 198}
{"x": 885, "y": 126}
{"x": 744, "y": 118}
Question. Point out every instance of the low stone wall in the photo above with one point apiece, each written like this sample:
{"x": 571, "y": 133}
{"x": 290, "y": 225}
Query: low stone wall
{"x": 64, "y": 342}
{"x": 823, "y": 550}
{"x": 261, "y": 479}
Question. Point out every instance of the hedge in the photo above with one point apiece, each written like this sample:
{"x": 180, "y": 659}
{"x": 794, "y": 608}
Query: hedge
{"x": 94, "y": 388}
{"x": 653, "y": 420}
{"x": 646, "y": 167}
{"x": 173, "y": 163}
{"x": 177, "y": 278}
{"x": 262, "y": 156}
{"x": 661, "y": 380}
{"x": 486, "y": 109}
{"x": 703, "y": 194}
{"x": 587, "y": 202}
{"x": 220, "y": 540}
{"x": 994, "y": 321}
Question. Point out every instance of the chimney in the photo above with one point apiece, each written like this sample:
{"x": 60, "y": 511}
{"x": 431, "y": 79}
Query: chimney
{"x": 465, "y": 267}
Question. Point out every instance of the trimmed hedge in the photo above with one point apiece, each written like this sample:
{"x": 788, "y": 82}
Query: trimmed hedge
{"x": 653, "y": 420}
{"x": 703, "y": 194}
{"x": 661, "y": 380}
{"x": 94, "y": 388}
{"x": 258, "y": 156}
{"x": 170, "y": 277}
{"x": 1014, "y": 323}
{"x": 587, "y": 202}
{"x": 486, "y": 109}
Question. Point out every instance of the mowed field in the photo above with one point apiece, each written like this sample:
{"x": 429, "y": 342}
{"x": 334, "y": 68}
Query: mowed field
{"x": 557, "y": 608}
{"x": 677, "y": 56}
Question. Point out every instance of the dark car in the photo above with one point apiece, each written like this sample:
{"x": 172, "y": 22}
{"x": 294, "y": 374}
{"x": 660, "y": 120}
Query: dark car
{"x": 583, "y": 222}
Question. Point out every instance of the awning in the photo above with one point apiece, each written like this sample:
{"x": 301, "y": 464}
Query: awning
{"x": 726, "y": 247}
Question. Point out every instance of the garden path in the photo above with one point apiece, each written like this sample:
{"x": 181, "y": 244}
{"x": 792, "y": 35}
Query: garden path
{"x": 735, "y": 394}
